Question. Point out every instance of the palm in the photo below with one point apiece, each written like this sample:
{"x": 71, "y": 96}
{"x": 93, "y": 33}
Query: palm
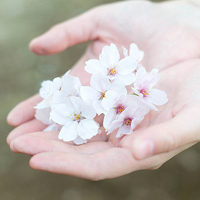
{"x": 164, "y": 46}
{"x": 102, "y": 153}
{"x": 105, "y": 156}
{"x": 162, "y": 39}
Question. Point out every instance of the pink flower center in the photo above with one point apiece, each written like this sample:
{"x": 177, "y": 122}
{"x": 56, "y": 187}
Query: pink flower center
{"x": 145, "y": 92}
{"x": 76, "y": 117}
{"x": 127, "y": 121}
{"x": 102, "y": 95}
{"x": 119, "y": 109}
{"x": 112, "y": 71}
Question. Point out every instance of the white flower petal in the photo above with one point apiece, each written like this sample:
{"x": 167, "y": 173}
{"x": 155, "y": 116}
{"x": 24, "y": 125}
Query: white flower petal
{"x": 87, "y": 92}
{"x": 43, "y": 115}
{"x": 70, "y": 85}
{"x": 77, "y": 103}
{"x": 125, "y": 51}
{"x": 135, "y": 53}
{"x": 158, "y": 97}
{"x": 52, "y": 127}
{"x": 149, "y": 104}
{"x": 60, "y": 112}
{"x": 135, "y": 91}
{"x": 88, "y": 111}
{"x": 87, "y": 129}
{"x": 119, "y": 87}
{"x": 108, "y": 101}
{"x": 121, "y": 100}
{"x": 140, "y": 74}
{"x": 128, "y": 112}
{"x": 69, "y": 131}
{"x": 142, "y": 107}
{"x": 50, "y": 87}
{"x": 98, "y": 107}
{"x": 128, "y": 79}
{"x": 124, "y": 130}
{"x": 109, "y": 56}
{"x": 45, "y": 103}
{"x": 132, "y": 100}
{"x": 57, "y": 118}
{"x": 99, "y": 82}
{"x": 126, "y": 66}
{"x": 135, "y": 122}
{"x": 79, "y": 141}
{"x": 57, "y": 82}
{"x": 114, "y": 125}
{"x": 45, "y": 89}
{"x": 63, "y": 108}
{"x": 110, "y": 116}
{"x": 93, "y": 66}
{"x": 138, "y": 66}
{"x": 59, "y": 97}
{"x": 153, "y": 78}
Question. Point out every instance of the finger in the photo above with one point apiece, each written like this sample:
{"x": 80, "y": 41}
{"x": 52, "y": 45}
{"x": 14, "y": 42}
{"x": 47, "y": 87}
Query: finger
{"x": 35, "y": 143}
{"x": 28, "y": 127}
{"x": 110, "y": 163}
{"x": 48, "y": 141}
{"x": 24, "y": 111}
{"x": 66, "y": 34}
{"x": 182, "y": 130}
{"x": 106, "y": 164}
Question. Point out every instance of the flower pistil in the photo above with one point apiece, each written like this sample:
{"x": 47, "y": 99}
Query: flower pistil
{"x": 112, "y": 71}
{"x": 76, "y": 117}
{"x": 119, "y": 109}
{"x": 127, "y": 121}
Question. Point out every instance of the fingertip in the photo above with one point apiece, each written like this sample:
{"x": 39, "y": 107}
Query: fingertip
{"x": 142, "y": 149}
{"x": 12, "y": 146}
{"x": 51, "y": 42}
{"x": 36, "y": 47}
{"x": 12, "y": 120}
{"x": 8, "y": 140}
{"x": 33, "y": 162}
{"x": 38, "y": 162}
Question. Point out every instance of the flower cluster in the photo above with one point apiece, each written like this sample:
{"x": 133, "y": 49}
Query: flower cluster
{"x": 70, "y": 108}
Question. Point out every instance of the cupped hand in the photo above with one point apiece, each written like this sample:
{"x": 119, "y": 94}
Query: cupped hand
{"x": 168, "y": 35}
{"x": 159, "y": 137}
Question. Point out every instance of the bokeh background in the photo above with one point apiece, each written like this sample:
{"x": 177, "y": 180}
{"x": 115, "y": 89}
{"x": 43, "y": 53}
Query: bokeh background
{"x": 21, "y": 73}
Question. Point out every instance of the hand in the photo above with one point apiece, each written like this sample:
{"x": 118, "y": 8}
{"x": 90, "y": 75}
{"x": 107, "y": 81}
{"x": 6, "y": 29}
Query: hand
{"x": 162, "y": 135}
{"x": 106, "y": 157}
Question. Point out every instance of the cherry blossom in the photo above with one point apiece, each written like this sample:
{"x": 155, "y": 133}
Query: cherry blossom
{"x": 143, "y": 87}
{"x": 44, "y": 116}
{"x": 102, "y": 93}
{"x": 76, "y": 118}
{"x": 127, "y": 121}
{"x": 136, "y": 54}
{"x": 109, "y": 64}
{"x": 123, "y": 102}
{"x": 70, "y": 87}
{"x": 47, "y": 91}
{"x": 70, "y": 108}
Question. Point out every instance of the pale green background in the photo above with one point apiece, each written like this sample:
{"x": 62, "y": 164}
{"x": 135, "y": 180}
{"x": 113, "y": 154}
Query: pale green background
{"x": 21, "y": 73}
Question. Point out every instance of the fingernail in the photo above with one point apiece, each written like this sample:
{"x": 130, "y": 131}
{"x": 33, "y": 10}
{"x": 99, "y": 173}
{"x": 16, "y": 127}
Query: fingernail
{"x": 144, "y": 149}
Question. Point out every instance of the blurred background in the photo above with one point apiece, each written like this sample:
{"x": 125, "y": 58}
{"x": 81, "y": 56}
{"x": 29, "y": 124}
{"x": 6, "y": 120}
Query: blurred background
{"x": 21, "y": 73}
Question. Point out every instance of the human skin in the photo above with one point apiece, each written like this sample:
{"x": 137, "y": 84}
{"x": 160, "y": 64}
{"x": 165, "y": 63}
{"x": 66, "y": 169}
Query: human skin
{"x": 169, "y": 34}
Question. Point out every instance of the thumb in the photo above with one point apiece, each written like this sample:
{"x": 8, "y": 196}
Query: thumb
{"x": 181, "y": 131}
{"x": 66, "y": 34}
